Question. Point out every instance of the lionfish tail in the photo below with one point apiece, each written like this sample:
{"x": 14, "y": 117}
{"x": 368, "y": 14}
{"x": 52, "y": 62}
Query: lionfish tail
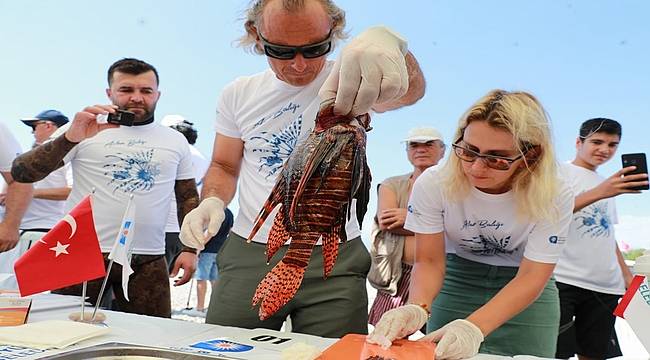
{"x": 277, "y": 288}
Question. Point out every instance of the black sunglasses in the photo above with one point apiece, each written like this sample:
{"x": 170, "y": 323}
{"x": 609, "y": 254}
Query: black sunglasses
{"x": 284, "y": 52}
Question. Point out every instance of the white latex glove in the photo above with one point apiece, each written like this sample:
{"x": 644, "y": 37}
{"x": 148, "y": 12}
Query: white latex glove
{"x": 397, "y": 323}
{"x": 209, "y": 214}
{"x": 459, "y": 339}
{"x": 371, "y": 69}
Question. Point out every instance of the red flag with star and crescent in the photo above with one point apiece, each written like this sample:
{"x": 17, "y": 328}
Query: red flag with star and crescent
{"x": 68, "y": 254}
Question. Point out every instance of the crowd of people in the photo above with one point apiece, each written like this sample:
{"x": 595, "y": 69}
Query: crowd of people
{"x": 482, "y": 252}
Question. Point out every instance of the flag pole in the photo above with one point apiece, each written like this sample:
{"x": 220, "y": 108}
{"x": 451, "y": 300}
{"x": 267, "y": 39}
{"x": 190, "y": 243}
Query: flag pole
{"x": 83, "y": 299}
{"x": 101, "y": 290}
{"x": 110, "y": 266}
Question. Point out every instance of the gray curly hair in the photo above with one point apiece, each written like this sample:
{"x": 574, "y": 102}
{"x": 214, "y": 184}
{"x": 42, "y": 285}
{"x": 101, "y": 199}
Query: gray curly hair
{"x": 253, "y": 19}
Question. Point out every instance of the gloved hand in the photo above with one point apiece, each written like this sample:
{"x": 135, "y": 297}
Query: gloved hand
{"x": 210, "y": 213}
{"x": 458, "y": 339}
{"x": 397, "y": 323}
{"x": 371, "y": 69}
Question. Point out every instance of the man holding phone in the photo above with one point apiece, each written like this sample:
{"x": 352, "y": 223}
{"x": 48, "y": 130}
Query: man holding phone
{"x": 145, "y": 161}
{"x": 591, "y": 275}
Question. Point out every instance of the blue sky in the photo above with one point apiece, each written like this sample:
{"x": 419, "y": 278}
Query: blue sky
{"x": 582, "y": 59}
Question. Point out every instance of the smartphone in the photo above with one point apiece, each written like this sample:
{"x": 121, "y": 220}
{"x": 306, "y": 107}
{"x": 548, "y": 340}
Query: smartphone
{"x": 639, "y": 161}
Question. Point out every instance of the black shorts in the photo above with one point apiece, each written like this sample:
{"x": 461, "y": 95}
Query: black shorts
{"x": 586, "y": 323}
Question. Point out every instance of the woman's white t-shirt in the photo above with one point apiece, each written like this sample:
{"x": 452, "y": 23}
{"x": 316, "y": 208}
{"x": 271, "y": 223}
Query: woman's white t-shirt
{"x": 485, "y": 227}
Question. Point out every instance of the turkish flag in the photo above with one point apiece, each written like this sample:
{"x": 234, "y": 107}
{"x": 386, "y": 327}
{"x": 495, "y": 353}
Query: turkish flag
{"x": 67, "y": 255}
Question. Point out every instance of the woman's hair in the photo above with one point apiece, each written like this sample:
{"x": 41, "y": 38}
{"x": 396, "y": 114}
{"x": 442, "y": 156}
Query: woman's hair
{"x": 253, "y": 19}
{"x": 534, "y": 186}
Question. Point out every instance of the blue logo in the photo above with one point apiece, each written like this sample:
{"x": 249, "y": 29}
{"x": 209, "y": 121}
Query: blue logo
{"x": 125, "y": 232}
{"x": 552, "y": 239}
{"x": 222, "y": 346}
{"x": 594, "y": 220}
{"x": 276, "y": 148}
{"x": 410, "y": 209}
{"x": 131, "y": 172}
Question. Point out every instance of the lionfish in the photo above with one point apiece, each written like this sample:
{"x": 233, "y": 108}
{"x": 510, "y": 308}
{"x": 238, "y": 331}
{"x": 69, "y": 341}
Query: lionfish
{"x": 315, "y": 190}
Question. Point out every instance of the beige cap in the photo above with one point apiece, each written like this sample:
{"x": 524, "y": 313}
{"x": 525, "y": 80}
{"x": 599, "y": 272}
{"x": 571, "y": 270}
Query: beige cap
{"x": 422, "y": 135}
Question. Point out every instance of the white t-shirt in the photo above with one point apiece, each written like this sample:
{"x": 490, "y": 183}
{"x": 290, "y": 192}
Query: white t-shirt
{"x": 485, "y": 227}
{"x": 141, "y": 160}
{"x": 271, "y": 117}
{"x": 9, "y": 149}
{"x": 200, "y": 166}
{"x": 589, "y": 260}
{"x": 43, "y": 213}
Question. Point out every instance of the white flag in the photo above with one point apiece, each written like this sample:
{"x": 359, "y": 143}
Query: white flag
{"x": 121, "y": 252}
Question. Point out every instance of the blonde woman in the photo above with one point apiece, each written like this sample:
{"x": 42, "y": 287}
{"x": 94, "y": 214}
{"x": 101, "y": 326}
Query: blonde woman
{"x": 489, "y": 227}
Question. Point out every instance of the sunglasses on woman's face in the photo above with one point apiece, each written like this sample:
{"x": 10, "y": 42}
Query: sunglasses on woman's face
{"x": 309, "y": 51}
{"x": 491, "y": 161}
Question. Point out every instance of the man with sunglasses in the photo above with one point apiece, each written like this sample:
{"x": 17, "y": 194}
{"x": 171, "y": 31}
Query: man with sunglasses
{"x": 48, "y": 202}
{"x": 261, "y": 118}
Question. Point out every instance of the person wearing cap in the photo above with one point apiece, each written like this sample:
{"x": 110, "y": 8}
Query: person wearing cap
{"x": 48, "y": 203}
{"x": 489, "y": 226}
{"x": 45, "y": 124}
{"x": 143, "y": 161}
{"x": 16, "y": 196}
{"x": 592, "y": 275}
{"x": 260, "y": 120}
{"x": 392, "y": 248}
{"x": 206, "y": 269}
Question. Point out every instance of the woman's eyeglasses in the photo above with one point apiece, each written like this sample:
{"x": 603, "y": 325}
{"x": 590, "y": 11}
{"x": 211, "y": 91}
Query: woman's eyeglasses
{"x": 492, "y": 161}
{"x": 284, "y": 52}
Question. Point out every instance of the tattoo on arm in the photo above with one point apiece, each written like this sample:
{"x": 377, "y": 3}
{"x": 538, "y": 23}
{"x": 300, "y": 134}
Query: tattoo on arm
{"x": 187, "y": 198}
{"x": 39, "y": 162}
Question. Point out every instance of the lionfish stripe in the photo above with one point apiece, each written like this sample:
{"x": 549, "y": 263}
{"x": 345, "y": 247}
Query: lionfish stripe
{"x": 313, "y": 163}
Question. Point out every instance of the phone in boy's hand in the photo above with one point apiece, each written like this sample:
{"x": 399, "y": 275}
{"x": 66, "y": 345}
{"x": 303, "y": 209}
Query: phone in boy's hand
{"x": 638, "y": 160}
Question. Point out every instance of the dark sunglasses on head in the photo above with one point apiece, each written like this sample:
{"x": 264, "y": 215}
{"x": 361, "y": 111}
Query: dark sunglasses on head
{"x": 309, "y": 51}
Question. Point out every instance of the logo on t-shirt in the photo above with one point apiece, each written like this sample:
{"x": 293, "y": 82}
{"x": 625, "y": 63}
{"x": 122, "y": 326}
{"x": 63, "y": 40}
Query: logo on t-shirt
{"x": 487, "y": 245}
{"x": 276, "y": 147}
{"x": 131, "y": 172}
{"x": 594, "y": 220}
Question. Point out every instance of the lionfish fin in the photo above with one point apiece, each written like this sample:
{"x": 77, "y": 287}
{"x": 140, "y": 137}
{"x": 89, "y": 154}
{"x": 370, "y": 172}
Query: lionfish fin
{"x": 278, "y": 235}
{"x": 330, "y": 250}
{"x": 271, "y": 202}
{"x": 277, "y": 288}
{"x": 363, "y": 194}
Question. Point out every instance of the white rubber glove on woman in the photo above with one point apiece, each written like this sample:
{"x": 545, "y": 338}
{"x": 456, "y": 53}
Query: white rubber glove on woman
{"x": 397, "y": 323}
{"x": 207, "y": 216}
{"x": 371, "y": 69}
{"x": 459, "y": 339}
